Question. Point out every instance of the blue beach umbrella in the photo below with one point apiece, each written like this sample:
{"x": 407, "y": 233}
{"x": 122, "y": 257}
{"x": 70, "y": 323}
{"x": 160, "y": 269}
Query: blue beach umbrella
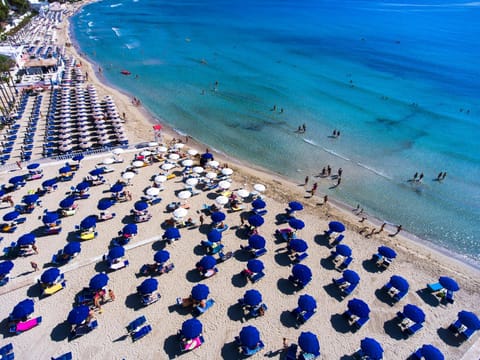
{"x": 308, "y": 342}
{"x": 256, "y": 241}
{"x": 469, "y": 319}
{"x": 214, "y": 235}
{"x": 16, "y": 179}
{"x": 399, "y": 283}
{"x": 23, "y": 309}
{"x": 207, "y": 262}
{"x": 5, "y": 267}
{"x": 141, "y": 206}
{"x": 88, "y": 222}
{"x": 50, "y": 275}
{"x": 49, "y": 182}
{"x": 371, "y": 348}
{"x": 207, "y": 156}
{"x": 65, "y": 169}
{"x": 104, "y": 204}
{"x": 83, "y": 186}
{"x": 116, "y": 188}
{"x": 218, "y": 216}
{"x": 98, "y": 281}
{"x": 50, "y": 217}
{"x": 12, "y": 215}
{"x": 33, "y": 166}
{"x": 78, "y": 157}
{"x": 255, "y": 265}
{"x": 307, "y": 302}
{"x": 351, "y": 276}
{"x": 96, "y": 172}
{"x": 252, "y": 297}
{"x": 358, "y": 307}
{"x": 172, "y": 233}
{"x": 130, "y": 229}
{"x": 116, "y": 252}
{"x": 78, "y": 314}
{"x": 336, "y": 226}
{"x": 258, "y": 203}
{"x": 448, "y": 283}
{"x": 30, "y": 199}
{"x": 302, "y": 273}
{"x": 387, "y": 252}
{"x": 148, "y": 286}
{"x": 430, "y": 352}
{"x": 414, "y": 313}
{"x": 343, "y": 250}
{"x": 26, "y": 239}
{"x": 295, "y": 205}
{"x": 161, "y": 256}
{"x": 191, "y": 328}
{"x": 297, "y": 224}
{"x": 200, "y": 292}
{"x": 298, "y": 245}
{"x": 249, "y": 336}
{"x": 67, "y": 202}
{"x": 72, "y": 248}
{"x": 256, "y": 220}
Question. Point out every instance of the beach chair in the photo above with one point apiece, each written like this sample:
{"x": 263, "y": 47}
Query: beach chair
{"x": 259, "y": 252}
{"x": 222, "y": 257}
{"x": 209, "y": 273}
{"x": 413, "y": 329}
{"x": 434, "y": 287}
{"x": 360, "y": 322}
{"x": 337, "y": 240}
{"x": 66, "y": 356}
{"x": 83, "y": 329}
{"x": 148, "y": 299}
{"x": 23, "y": 326}
{"x": 449, "y": 297}
{"x": 199, "y": 310}
{"x": 346, "y": 262}
{"x": 53, "y": 289}
{"x": 6, "y": 350}
{"x": 349, "y": 289}
{"x": 4, "y": 281}
{"x": 455, "y": 326}
{"x": 291, "y": 352}
{"x": 256, "y": 277}
{"x": 300, "y": 257}
{"x": 302, "y": 316}
{"x": 246, "y": 351}
{"x": 467, "y": 334}
{"x": 136, "y": 324}
{"x": 191, "y": 344}
{"x": 257, "y": 310}
{"x": 261, "y": 212}
{"x": 138, "y": 334}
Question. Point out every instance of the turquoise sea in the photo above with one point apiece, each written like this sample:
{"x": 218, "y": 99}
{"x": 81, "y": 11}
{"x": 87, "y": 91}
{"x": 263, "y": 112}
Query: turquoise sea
{"x": 399, "y": 79}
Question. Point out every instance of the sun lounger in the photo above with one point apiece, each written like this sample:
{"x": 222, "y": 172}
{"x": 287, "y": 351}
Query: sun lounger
{"x": 434, "y": 287}
{"x": 246, "y": 351}
{"x": 349, "y": 289}
{"x": 259, "y": 252}
{"x": 291, "y": 352}
{"x": 360, "y": 322}
{"x": 85, "y": 236}
{"x": 256, "y": 277}
{"x": 302, "y": 316}
{"x": 137, "y": 335}
{"x": 84, "y": 329}
{"x": 455, "y": 327}
{"x": 337, "y": 240}
{"x": 449, "y": 297}
{"x": 257, "y": 311}
{"x": 467, "y": 334}
{"x": 66, "y": 356}
{"x": 53, "y": 289}
{"x": 5, "y": 350}
{"x": 299, "y": 257}
{"x": 346, "y": 262}
{"x": 199, "y": 310}
{"x": 119, "y": 265}
{"x": 25, "y": 325}
{"x": 413, "y": 329}
{"x": 148, "y": 299}
{"x": 136, "y": 324}
{"x": 4, "y": 281}
{"x": 192, "y": 344}
{"x": 52, "y": 230}
{"x": 209, "y": 273}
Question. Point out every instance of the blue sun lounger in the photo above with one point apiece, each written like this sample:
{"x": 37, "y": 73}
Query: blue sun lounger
{"x": 136, "y": 324}
{"x": 291, "y": 352}
{"x": 67, "y": 356}
{"x": 199, "y": 310}
{"x": 137, "y": 335}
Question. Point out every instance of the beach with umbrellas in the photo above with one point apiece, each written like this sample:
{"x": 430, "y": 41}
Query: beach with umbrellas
{"x": 168, "y": 251}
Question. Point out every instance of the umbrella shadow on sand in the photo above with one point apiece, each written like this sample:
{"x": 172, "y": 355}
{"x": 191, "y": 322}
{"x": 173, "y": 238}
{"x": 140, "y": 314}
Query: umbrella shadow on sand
{"x": 333, "y": 291}
{"x": 193, "y": 276}
{"x": 428, "y": 297}
{"x": 132, "y": 301}
{"x": 239, "y": 280}
{"x": 392, "y": 329}
{"x": 322, "y": 240}
{"x": 235, "y": 312}
{"x": 340, "y": 324}
{"x": 285, "y": 286}
{"x": 34, "y": 291}
{"x": 61, "y": 331}
{"x": 327, "y": 263}
{"x": 159, "y": 245}
{"x": 4, "y": 329}
{"x": 383, "y": 296}
{"x": 448, "y": 337}
{"x": 230, "y": 350}
{"x": 171, "y": 346}
{"x": 287, "y": 319}
{"x": 370, "y": 266}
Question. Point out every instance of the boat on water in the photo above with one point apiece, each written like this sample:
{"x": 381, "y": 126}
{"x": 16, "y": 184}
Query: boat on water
{"x": 125, "y": 72}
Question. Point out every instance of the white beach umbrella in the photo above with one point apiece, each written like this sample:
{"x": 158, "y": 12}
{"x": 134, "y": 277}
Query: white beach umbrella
{"x": 162, "y": 149}
{"x": 191, "y": 181}
{"x": 146, "y": 153}
{"x": 178, "y": 146}
{"x": 243, "y": 193}
{"x": 198, "y": 169}
{"x": 138, "y": 163}
{"x": 65, "y": 148}
{"x": 85, "y": 145}
{"x": 221, "y": 200}
{"x": 118, "y": 151}
{"x": 259, "y": 187}
{"x": 211, "y": 175}
{"x": 128, "y": 175}
{"x": 160, "y": 179}
{"x": 192, "y": 152}
{"x": 108, "y": 161}
{"x": 153, "y": 143}
{"x": 167, "y": 166}
{"x": 227, "y": 171}
{"x": 187, "y": 162}
{"x": 180, "y": 212}
{"x": 152, "y": 191}
{"x": 174, "y": 156}
{"x": 213, "y": 163}
{"x": 185, "y": 194}
{"x": 104, "y": 141}
{"x": 224, "y": 185}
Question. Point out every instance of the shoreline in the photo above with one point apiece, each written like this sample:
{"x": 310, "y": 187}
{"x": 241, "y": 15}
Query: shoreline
{"x": 171, "y": 132}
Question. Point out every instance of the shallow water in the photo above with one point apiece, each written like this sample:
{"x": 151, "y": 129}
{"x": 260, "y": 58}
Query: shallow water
{"x": 398, "y": 80}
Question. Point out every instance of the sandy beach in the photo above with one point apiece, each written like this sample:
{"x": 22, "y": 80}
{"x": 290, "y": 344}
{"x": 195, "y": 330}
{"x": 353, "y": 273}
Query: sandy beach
{"x": 415, "y": 262}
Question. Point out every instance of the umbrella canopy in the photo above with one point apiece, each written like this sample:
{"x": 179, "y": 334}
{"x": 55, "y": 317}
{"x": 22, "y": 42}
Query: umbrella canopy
{"x": 448, "y": 283}
{"x": 191, "y": 181}
{"x": 221, "y": 200}
{"x": 140, "y": 205}
{"x": 160, "y": 179}
{"x": 255, "y": 220}
{"x": 224, "y": 184}
{"x": 96, "y": 172}
{"x": 298, "y": 245}
{"x": 191, "y": 328}
{"x": 336, "y": 226}
{"x": 30, "y": 199}
{"x": 387, "y": 252}
{"x": 161, "y": 256}
{"x": 5, "y": 267}
{"x": 128, "y": 175}
{"x": 308, "y": 342}
{"x": 33, "y": 166}
{"x": 218, "y": 216}
{"x": 117, "y": 151}
{"x": 351, "y": 276}
{"x": 116, "y": 252}
{"x": 65, "y": 169}
{"x": 371, "y": 348}
{"x": 214, "y": 235}
{"x": 167, "y": 166}
{"x": 297, "y": 224}
{"x": 148, "y": 286}
{"x": 78, "y": 157}
{"x": 98, "y": 281}
{"x": 108, "y": 161}
{"x": 207, "y": 262}
{"x": 192, "y": 152}
{"x": 255, "y": 265}
{"x": 152, "y": 191}
{"x": 67, "y": 202}
{"x": 258, "y": 204}
{"x": 16, "y": 179}
{"x": 130, "y": 229}
{"x": 414, "y": 313}
{"x": 259, "y": 187}
{"x": 227, "y": 171}
{"x": 26, "y": 239}
{"x": 252, "y": 297}
{"x": 198, "y": 169}
{"x": 12, "y": 215}
{"x": 343, "y": 250}
{"x": 302, "y": 272}
{"x": 213, "y": 163}
{"x": 211, "y": 175}
{"x": 72, "y": 248}
{"x": 78, "y": 314}
{"x": 469, "y": 319}
{"x": 116, "y": 188}
{"x": 50, "y": 275}
{"x": 50, "y": 217}
{"x": 89, "y": 222}
{"x": 359, "y": 308}
{"x": 430, "y": 352}
{"x": 249, "y": 336}
{"x": 104, "y": 204}
{"x": 187, "y": 162}
{"x": 23, "y": 309}
{"x": 138, "y": 163}
{"x": 243, "y": 193}
{"x": 295, "y": 205}
{"x": 256, "y": 241}
{"x": 49, "y": 182}
{"x": 307, "y": 302}
{"x": 185, "y": 194}
{"x": 172, "y": 233}
{"x": 83, "y": 186}
{"x": 200, "y": 292}
{"x": 180, "y": 212}
{"x": 207, "y": 156}
{"x": 399, "y": 283}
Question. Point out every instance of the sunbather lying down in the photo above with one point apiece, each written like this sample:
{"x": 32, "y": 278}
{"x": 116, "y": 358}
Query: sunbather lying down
{"x": 190, "y": 301}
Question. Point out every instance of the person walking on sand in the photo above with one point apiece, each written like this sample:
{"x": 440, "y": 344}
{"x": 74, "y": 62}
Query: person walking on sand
{"x": 34, "y": 266}
{"x": 242, "y": 219}
{"x": 420, "y": 178}
{"x": 325, "y": 199}
{"x": 329, "y": 170}
{"x": 340, "y": 172}
{"x": 111, "y": 295}
{"x": 314, "y": 187}
{"x": 201, "y": 219}
{"x": 339, "y": 180}
{"x": 399, "y": 228}
{"x": 306, "y": 180}
{"x": 381, "y": 228}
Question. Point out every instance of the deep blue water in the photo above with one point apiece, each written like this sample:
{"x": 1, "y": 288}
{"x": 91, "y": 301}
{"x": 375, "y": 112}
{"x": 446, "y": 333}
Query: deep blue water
{"x": 399, "y": 79}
